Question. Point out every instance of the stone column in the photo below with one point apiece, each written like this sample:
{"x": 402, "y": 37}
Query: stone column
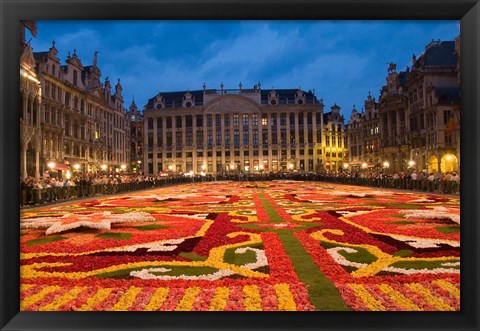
{"x": 25, "y": 136}
{"x": 269, "y": 136}
{"x": 154, "y": 149}
{"x": 38, "y": 143}
{"x": 145, "y": 146}
{"x": 184, "y": 143}
{"x": 222, "y": 138}
{"x": 297, "y": 140}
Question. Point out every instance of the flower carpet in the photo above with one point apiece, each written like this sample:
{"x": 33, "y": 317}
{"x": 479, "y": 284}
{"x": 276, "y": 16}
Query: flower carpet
{"x": 240, "y": 246}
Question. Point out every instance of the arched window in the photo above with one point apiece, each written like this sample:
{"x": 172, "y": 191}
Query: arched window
{"x": 75, "y": 103}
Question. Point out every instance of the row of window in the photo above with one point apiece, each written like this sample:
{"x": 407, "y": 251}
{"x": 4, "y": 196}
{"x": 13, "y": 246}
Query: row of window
{"x": 246, "y": 119}
{"x": 219, "y": 154}
{"x": 256, "y": 138}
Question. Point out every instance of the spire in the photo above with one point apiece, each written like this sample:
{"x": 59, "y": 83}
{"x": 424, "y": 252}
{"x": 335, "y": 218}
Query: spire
{"x": 95, "y": 58}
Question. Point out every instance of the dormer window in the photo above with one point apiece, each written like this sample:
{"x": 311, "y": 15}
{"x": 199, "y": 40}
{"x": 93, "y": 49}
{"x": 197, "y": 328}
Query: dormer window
{"x": 188, "y": 100}
{"x": 273, "y": 97}
{"x": 299, "y": 97}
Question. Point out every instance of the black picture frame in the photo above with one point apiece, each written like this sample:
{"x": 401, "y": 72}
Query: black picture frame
{"x": 12, "y": 11}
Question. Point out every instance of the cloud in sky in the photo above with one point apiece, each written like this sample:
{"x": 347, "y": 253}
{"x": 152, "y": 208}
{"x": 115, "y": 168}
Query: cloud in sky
{"x": 341, "y": 60}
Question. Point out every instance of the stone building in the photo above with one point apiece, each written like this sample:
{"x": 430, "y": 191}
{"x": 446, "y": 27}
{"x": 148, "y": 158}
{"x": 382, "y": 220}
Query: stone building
{"x": 393, "y": 124}
{"x": 232, "y": 131}
{"x": 355, "y": 139}
{"x": 434, "y": 108}
{"x": 30, "y": 108}
{"x": 335, "y": 150}
{"x": 416, "y": 123}
{"x": 84, "y": 126}
{"x": 136, "y": 137}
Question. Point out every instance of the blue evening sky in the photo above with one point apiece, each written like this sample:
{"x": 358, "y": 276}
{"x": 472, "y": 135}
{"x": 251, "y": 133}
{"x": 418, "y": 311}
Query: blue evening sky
{"x": 341, "y": 60}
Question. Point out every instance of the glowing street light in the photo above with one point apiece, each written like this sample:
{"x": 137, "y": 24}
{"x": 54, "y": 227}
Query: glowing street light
{"x": 290, "y": 166}
{"x": 345, "y": 165}
{"x": 411, "y": 163}
{"x": 204, "y": 167}
{"x": 103, "y": 167}
{"x": 123, "y": 166}
{"x": 76, "y": 166}
{"x": 386, "y": 164}
{"x": 170, "y": 168}
{"x": 364, "y": 165}
{"x": 232, "y": 166}
{"x": 51, "y": 165}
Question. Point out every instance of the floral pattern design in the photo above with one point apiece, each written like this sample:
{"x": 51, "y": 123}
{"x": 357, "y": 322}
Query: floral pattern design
{"x": 241, "y": 247}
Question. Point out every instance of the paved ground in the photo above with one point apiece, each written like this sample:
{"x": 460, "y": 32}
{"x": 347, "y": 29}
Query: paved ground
{"x": 279, "y": 245}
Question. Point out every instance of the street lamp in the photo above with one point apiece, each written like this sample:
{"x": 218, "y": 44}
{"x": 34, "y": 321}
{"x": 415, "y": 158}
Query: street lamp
{"x": 51, "y": 165}
{"x": 345, "y": 166}
{"x": 76, "y": 166}
{"x": 290, "y": 166}
{"x": 123, "y": 166}
{"x": 411, "y": 163}
{"x": 170, "y": 167}
{"x": 232, "y": 166}
{"x": 364, "y": 165}
{"x": 386, "y": 164}
{"x": 104, "y": 167}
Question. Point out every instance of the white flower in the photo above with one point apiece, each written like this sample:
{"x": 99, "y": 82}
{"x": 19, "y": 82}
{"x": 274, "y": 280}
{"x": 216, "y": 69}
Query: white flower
{"x": 435, "y": 213}
{"x": 102, "y": 221}
{"x": 159, "y": 246}
{"x": 359, "y": 194}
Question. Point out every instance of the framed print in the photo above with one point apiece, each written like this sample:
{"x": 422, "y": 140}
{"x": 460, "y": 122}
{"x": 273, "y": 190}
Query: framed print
{"x": 199, "y": 165}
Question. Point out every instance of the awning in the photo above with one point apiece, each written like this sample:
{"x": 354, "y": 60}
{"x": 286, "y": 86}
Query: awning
{"x": 61, "y": 166}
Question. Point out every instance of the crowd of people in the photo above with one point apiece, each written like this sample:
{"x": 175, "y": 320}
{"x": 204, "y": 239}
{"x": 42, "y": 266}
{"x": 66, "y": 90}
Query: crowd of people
{"x": 51, "y": 188}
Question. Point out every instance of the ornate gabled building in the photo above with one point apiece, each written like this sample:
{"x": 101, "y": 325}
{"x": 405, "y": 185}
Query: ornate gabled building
{"x": 84, "y": 126}
{"x": 393, "y": 125}
{"x": 434, "y": 108}
{"x": 242, "y": 130}
{"x": 371, "y": 134}
{"x": 136, "y": 137}
{"x": 30, "y": 108}
{"x": 335, "y": 149}
{"x": 355, "y": 139}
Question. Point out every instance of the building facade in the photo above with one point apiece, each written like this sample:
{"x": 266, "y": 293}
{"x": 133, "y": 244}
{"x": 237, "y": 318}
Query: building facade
{"x": 136, "y": 137}
{"x": 30, "y": 108}
{"x": 334, "y": 148}
{"x": 416, "y": 122}
{"x": 434, "y": 108}
{"x": 233, "y": 131}
{"x": 84, "y": 127}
